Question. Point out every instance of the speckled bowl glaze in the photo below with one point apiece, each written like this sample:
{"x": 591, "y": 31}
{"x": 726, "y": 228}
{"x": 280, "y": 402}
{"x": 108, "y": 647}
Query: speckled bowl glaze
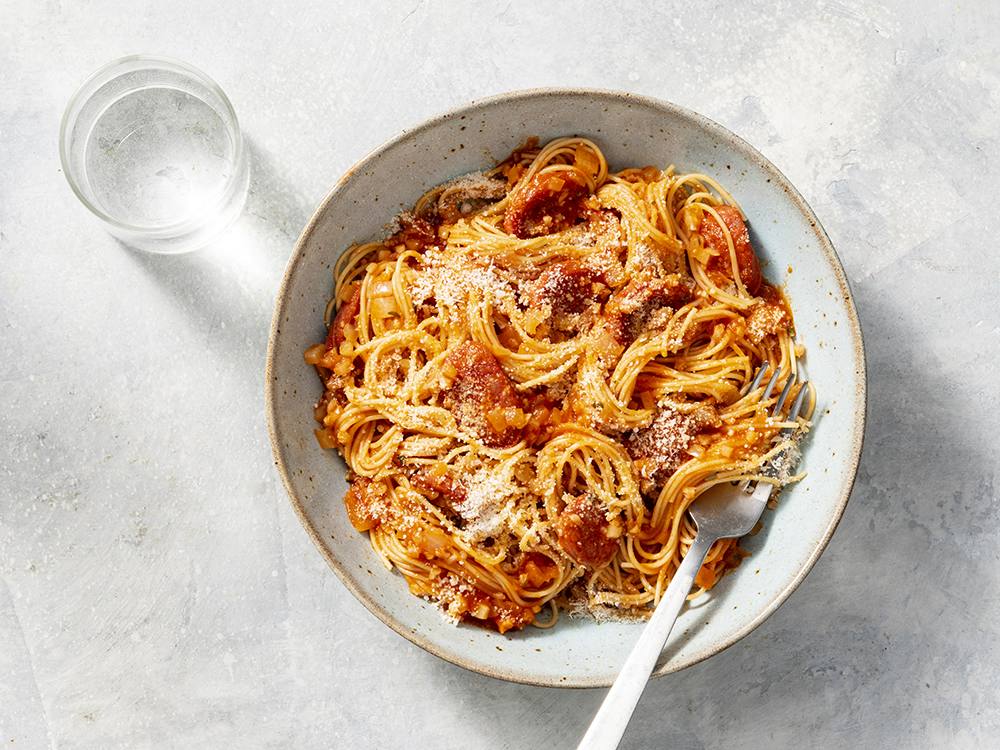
{"x": 631, "y": 130}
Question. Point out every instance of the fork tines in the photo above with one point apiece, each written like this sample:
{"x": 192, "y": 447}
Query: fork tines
{"x": 793, "y": 413}
{"x": 786, "y": 389}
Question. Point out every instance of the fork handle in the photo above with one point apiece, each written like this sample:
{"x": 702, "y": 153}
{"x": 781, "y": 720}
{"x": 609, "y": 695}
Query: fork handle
{"x": 608, "y": 726}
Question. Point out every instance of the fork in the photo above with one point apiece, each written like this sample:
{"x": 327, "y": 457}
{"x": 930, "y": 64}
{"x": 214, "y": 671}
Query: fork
{"x": 729, "y": 511}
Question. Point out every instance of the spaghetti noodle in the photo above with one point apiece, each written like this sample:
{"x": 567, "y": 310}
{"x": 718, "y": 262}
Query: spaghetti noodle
{"x": 534, "y": 377}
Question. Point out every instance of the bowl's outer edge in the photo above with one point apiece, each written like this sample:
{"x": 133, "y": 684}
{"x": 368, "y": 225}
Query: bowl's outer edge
{"x": 824, "y": 242}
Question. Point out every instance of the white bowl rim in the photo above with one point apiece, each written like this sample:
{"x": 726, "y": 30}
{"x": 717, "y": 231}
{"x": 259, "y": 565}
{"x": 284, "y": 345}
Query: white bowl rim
{"x": 342, "y": 571}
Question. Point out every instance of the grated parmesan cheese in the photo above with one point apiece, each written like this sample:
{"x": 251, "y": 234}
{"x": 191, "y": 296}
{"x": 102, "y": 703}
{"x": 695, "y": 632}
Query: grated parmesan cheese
{"x": 484, "y": 508}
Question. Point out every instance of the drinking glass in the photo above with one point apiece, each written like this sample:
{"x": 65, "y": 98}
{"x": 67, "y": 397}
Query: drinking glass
{"x": 153, "y": 148}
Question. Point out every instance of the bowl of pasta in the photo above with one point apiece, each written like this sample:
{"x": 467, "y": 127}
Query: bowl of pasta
{"x": 516, "y": 342}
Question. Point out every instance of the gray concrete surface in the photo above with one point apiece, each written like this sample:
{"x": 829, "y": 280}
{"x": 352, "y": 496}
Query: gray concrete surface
{"x": 156, "y": 589}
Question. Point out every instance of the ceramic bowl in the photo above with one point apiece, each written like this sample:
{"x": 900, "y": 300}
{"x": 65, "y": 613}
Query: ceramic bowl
{"x": 631, "y": 130}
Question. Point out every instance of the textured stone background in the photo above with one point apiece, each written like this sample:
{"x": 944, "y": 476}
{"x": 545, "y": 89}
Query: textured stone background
{"x": 156, "y": 589}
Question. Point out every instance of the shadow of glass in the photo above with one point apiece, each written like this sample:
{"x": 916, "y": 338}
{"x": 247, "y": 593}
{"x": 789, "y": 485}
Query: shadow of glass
{"x": 273, "y": 200}
{"x": 227, "y": 289}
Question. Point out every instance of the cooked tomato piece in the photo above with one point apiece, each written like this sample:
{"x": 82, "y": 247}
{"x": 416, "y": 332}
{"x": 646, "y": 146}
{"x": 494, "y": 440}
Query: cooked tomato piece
{"x": 346, "y": 315}
{"x": 629, "y": 309}
{"x": 506, "y": 615}
{"x": 463, "y": 599}
{"x": 481, "y": 389}
{"x": 549, "y": 202}
{"x": 483, "y": 609}
{"x": 568, "y": 288}
{"x": 444, "y": 487}
{"x": 713, "y": 237}
{"x": 365, "y": 503}
{"x": 659, "y": 449}
{"x": 765, "y": 320}
{"x": 585, "y": 533}
{"x": 415, "y": 233}
{"x": 468, "y": 195}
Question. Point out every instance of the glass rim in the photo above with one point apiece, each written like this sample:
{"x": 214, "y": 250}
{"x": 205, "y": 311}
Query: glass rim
{"x": 84, "y": 92}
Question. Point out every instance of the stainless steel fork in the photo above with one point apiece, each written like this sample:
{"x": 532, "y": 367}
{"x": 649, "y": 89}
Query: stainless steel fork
{"x": 723, "y": 512}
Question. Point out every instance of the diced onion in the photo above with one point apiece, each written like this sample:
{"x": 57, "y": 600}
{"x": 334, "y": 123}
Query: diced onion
{"x": 727, "y": 393}
{"x": 497, "y": 419}
{"x": 532, "y": 319}
{"x": 314, "y": 354}
{"x": 699, "y": 251}
{"x": 384, "y": 307}
{"x": 524, "y": 473}
{"x": 325, "y": 439}
{"x": 515, "y": 417}
{"x": 605, "y": 345}
{"x": 585, "y": 160}
{"x": 692, "y": 218}
{"x": 432, "y": 541}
